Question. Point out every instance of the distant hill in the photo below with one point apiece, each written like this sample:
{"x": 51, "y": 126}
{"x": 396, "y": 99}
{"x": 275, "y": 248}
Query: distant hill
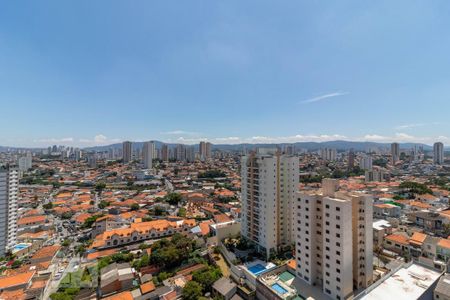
{"x": 311, "y": 146}
{"x": 339, "y": 145}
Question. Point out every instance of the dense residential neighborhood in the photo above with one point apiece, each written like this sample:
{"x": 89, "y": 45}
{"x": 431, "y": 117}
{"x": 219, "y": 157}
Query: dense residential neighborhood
{"x": 217, "y": 226}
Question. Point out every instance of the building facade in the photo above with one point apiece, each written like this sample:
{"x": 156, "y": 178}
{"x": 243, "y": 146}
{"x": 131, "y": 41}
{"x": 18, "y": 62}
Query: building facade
{"x": 334, "y": 243}
{"x": 395, "y": 152}
{"x": 9, "y": 181}
{"x": 205, "y": 150}
{"x": 165, "y": 152}
{"x": 438, "y": 151}
{"x": 269, "y": 182}
{"x": 127, "y": 152}
{"x": 148, "y": 154}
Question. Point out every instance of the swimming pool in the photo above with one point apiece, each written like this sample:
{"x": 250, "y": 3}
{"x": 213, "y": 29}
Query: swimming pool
{"x": 257, "y": 269}
{"x": 279, "y": 289}
{"x": 19, "y": 247}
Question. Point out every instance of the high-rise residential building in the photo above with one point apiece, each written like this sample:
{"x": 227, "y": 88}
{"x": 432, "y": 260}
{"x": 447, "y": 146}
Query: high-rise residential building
{"x": 9, "y": 181}
{"x": 334, "y": 239}
{"x": 438, "y": 151}
{"x": 25, "y": 162}
{"x": 366, "y": 163}
{"x": 351, "y": 159}
{"x": 328, "y": 154}
{"x": 377, "y": 175}
{"x": 395, "y": 152}
{"x": 165, "y": 153}
{"x": 78, "y": 154}
{"x": 289, "y": 149}
{"x": 148, "y": 154}
{"x": 126, "y": 152}
{"x": 180, "y": 152}
{"x": 92, "y": 160}
{"x": 190, "y": 154}
{"x": 205, "y": 150}
{"x": 269, "y": 182}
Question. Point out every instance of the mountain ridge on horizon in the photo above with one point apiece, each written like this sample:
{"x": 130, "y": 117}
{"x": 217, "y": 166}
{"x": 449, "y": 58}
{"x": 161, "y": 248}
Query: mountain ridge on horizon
{"x": 341, "y": 145}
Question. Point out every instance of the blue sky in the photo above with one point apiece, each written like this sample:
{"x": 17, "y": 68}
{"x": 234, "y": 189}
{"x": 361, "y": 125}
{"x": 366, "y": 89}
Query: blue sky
{"x": 96, "y": 72}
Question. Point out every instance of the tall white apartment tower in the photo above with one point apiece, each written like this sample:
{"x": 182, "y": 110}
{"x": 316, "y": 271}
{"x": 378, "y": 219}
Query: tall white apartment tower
{"x": 334, "y": 239}
{"x": 269, "y": 184}
{"x": 126, "y": 152}
{"x": 9, "y": 181}
{"x": 205, "y": 150}
{"x": 328, "y": 154}
{"x": 148, "y": 154}
{"x": 438, "y": 150}
{"x": 366, "y": 163}
{"x": 395, "y": 152}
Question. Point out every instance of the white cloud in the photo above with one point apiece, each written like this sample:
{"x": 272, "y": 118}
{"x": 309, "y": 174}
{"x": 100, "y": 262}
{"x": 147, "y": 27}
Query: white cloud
{"x": 324, "y": 97}
{"x": 374, "y": 137}
{"x": 66, "y": 140}
{"x": 229, "y": 139}
{"x": 99, "y": 139}
{"x": 179, "y": 132}
{"x": 259, "y": 139}
{"x": 404, "y": 138}
{"x": 296, "y": 138}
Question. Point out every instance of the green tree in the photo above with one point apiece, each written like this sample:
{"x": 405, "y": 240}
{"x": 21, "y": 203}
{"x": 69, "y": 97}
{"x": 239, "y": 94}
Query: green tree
{"x": 211, "y": 174}
{"x": 61, "y": 296}
{"x": 100, "y": 186}
{"x": 415, "y": 188}
{"x": 173, "y": 198}
{"x": 48, "y": 206}
{"x": 182, "y": 212}
{"x": 192, "y": 291}
{"x": 207, "y": 277}
{"x": 103, "y": 204}
{"x": 16, "y": 264}
{"x": 134, "y": 206}
{"x": 67, "y": 215}
{"x": 91, "y": 220}
{"x": 170, "y": 254}
{"x": 159, "y": 211}
{"x": 81, "y": 249}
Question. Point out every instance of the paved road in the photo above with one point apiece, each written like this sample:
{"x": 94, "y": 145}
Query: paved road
{"x": 54, "y": 283}
{"x": 169, "y": 186}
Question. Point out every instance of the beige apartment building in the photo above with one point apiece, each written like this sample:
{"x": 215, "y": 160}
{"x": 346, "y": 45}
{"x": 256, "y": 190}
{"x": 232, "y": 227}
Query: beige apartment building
{"x": 269, "y": 184}
{"x": 334, "y": 244}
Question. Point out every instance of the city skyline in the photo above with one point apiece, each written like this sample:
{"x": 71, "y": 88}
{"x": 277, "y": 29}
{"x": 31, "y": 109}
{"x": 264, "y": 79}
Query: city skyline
{"x": 309, "y": 72}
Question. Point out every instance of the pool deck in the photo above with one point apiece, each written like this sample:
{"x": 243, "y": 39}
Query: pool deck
{"x": 280, "y": 284}
{"x": 20, "y": 247}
